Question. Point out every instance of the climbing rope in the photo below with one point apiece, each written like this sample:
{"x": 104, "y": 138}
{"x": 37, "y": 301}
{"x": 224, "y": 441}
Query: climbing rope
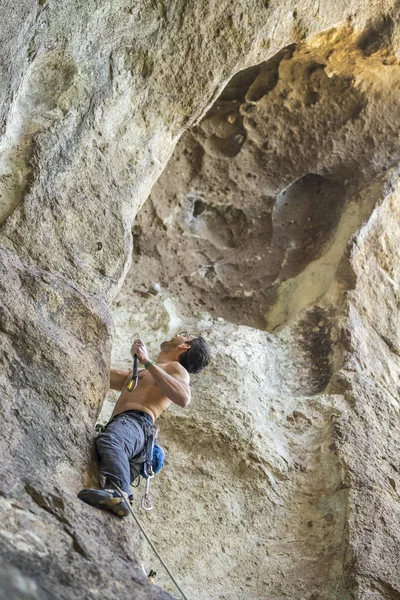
{"x": 150, "y": 542}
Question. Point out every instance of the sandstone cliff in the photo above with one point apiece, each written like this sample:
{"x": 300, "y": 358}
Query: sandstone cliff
{"x": 273, "y": 230}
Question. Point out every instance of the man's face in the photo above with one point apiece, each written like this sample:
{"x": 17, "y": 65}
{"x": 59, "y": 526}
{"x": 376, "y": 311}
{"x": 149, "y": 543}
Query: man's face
{"x": 179, "y": 338}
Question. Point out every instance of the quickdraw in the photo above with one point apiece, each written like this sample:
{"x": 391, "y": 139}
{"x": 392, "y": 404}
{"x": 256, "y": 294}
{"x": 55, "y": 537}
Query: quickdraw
{"x": 151, "y": 576}
{"x": 132, "y": 384}
{"x": 147, "y": 471}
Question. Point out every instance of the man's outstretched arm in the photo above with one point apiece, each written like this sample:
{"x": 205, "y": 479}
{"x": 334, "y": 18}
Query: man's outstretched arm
{"x": 117, "y": 379}
{"x": 173, "y": 381}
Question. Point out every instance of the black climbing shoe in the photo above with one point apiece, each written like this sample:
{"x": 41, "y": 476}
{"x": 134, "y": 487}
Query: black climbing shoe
{"x": 108, "y": 499}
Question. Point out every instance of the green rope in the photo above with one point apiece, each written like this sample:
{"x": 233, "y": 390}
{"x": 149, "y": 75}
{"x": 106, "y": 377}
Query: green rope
{"x": 150, "y": 542}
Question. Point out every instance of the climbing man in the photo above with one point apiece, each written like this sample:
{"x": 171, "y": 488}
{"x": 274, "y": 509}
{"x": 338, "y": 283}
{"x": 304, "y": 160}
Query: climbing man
{"x": 123, "y": 443}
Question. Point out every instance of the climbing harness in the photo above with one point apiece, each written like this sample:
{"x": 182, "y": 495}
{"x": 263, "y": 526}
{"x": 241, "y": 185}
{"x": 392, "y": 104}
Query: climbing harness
{"x": 150, "y": 542}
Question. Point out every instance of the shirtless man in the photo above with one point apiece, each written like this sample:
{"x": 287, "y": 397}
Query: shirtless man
{"x": 160, "y": 383}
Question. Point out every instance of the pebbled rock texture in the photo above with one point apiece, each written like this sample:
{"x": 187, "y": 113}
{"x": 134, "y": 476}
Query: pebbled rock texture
{"x": 259, "y": 187}
{"x": 273, "y": 230}
{"x": 287, "y": 455}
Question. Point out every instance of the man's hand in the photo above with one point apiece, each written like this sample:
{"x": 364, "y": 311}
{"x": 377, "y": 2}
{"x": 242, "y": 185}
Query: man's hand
{"x": 139, "y": 348}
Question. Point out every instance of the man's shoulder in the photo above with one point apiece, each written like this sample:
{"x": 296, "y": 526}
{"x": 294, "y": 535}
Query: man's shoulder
{"x": 175, "y": 367}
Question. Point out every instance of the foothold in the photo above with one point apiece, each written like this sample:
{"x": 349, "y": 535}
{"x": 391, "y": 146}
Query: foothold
{"x": 99, "y": 245}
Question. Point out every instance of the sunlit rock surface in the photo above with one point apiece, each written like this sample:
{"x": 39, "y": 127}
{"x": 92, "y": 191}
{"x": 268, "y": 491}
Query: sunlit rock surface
{"x": 280, "y": 254}
{"x": 273, "y": 231}
{"x": 267, "y": 186}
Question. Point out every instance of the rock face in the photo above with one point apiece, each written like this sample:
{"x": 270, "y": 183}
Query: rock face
{"x": 259, "y": 186}
{"x": 246, "y": 231}
{"x": 273, "y": 230}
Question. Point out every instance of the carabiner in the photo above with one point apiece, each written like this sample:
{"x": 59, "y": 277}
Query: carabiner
{"x": 146, "y": 502}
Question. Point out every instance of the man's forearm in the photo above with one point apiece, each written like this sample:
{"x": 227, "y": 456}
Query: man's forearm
{"x": 175, "y": 390}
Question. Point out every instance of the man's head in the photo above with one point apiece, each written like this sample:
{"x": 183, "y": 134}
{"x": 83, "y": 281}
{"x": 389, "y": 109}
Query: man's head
{"x": 192, "y": 352}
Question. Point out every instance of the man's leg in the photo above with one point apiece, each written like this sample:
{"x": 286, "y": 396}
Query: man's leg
{"x": 120, "y": 442}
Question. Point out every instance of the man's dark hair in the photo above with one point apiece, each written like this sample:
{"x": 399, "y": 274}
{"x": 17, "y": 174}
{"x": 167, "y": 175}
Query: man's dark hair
{"x": 197, "y": 357}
